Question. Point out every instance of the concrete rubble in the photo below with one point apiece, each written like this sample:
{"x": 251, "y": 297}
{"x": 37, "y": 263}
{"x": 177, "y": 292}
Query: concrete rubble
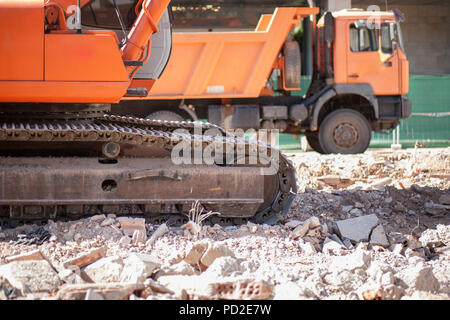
{"x": 367, "y": 227}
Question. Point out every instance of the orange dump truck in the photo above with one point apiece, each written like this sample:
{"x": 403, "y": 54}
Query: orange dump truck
{"x": 246, "y": 80}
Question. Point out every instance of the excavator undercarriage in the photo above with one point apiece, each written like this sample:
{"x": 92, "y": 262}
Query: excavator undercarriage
{"x": 72, "y": 167}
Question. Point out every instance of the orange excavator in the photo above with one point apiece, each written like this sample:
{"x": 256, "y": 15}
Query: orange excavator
{"x": 63, "y": 156}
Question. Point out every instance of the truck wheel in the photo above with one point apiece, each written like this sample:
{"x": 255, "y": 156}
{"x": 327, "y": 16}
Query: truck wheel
{"x": 292, "y": 64}
{"x": 344, "y": 131}
{"x": 165, "y": 115}
{"x": 313, "y": 141}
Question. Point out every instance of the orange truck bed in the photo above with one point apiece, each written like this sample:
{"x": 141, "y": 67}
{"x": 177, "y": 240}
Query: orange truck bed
{"x": 225, "y": 64}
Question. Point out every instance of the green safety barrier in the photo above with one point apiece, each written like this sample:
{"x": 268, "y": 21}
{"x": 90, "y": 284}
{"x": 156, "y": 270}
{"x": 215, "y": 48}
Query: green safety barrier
{"x": 429, "y": 125}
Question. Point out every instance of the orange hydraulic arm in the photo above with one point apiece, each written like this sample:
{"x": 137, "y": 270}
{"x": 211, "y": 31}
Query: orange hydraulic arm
{"x": 144, "y": 26}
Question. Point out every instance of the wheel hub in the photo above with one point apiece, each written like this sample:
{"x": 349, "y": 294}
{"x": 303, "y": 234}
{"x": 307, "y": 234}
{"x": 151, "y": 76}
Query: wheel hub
{"x": 345, "y": 135}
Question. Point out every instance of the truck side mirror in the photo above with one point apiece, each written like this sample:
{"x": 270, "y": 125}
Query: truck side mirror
{"x": 329, "y": 27}
{"x": 394, "y": 45}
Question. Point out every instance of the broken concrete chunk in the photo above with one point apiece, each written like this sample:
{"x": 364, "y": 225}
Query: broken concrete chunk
{"x": 288, "y": 291}
{"x": 85, "y": 258}
{"x": 156, "y": 287}
{"x": 138, "y": 267}
{"x": 336, "y": 181}
{"x": 357, "y": 260}
{"x": 412, "y": 242}
{"x": 192, "y": 227}
{"x": 420, "y": 278}
{"x": 324, "y": 229}
{"x": 104, "y": 270}
{"x": 241, "y": 290}
{"x": 92, "y": 295}
{"x": 139, "y": 237}
{"x": 332, "y": 228}
{"x": 346, "y": 208}
{"x": 358, "y": 205}
{"x": 70, "y": 276}
{"x": 331, "y": 180}
{"x": 330, "y": 246}
{"x": 423, "y": 295}
{"x": 98, "y": 218}
{"x": 336, "y": 239}
{"x": 215, "y": 251}
{"x": 431, "y": 238}
{"x": 30, "y": 276}
{"x": 133, "y": 269}
{"x": 444, "y": 233}
{"x": 379, "y": 238}
{"x": 347, "y": 243}
{"x": 380, "y": 183}
{"x": 307, "y": 247}
{"x": 397, "y": 248}
{"x": 387, "y": 279}
{"x": 292, "y": 223}
{"x": 356, "y": 212}
{"x": 409, "y": 253}
{"x": 301, "y": 230}
{"x": 315, "y": 232}
{"x": 30, "y": 255}
{"x": 224, "y": 266}
{"x": 357, "y": 229}
{"x": 313, "y": 222}
{"x": 444, "y": 199}
{"x": 436, "y": 209}
{"x": 162, "y": 229}
{"x": 107, "y": 222}
{"x": 109, "y": 291}
{"x": 129, "y": 225}
{"x": 196, "y": 252}
{"x": 124, "y": 241}
{"x": 181, "y": 268}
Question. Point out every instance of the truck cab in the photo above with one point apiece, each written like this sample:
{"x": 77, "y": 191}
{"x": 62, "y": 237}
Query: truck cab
{"x": 360, "y": 80}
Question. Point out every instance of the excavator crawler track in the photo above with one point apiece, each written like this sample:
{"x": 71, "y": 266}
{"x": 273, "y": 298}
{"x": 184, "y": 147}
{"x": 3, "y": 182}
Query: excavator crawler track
{"x": 123, "y": 165}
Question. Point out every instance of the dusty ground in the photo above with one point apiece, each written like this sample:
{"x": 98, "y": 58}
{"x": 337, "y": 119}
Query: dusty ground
{"x": 407, "y": 190}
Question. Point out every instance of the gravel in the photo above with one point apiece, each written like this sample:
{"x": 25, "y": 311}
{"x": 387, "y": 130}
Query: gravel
{"x": 405, "y": 193}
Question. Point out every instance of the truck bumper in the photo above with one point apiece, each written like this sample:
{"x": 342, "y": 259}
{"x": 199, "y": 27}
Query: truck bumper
{"x": 406, "y": 108}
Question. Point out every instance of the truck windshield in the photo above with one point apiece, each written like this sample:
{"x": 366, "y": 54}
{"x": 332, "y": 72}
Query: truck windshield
{"x": 390, "y": 32}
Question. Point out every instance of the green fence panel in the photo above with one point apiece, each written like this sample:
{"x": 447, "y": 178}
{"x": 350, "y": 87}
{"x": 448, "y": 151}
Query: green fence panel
{"x": 429, "y": 124}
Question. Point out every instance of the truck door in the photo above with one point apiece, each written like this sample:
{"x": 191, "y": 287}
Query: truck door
{"x": 371, "y": 58}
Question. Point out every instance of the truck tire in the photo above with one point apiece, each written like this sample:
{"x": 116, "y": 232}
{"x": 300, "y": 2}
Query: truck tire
{"x": 313, "y": 141}
{"x": 292, "y": 64}
{"x": 344, "y": 131}
{"x": 165, "y": 115}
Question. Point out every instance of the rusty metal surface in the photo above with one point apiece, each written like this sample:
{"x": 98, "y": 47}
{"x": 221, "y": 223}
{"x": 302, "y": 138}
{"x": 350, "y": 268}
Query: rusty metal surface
{"x": 50, "y": 181}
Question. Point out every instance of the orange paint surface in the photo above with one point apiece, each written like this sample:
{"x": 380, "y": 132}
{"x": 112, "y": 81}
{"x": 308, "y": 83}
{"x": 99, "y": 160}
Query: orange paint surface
{"x": 226, "y": 64}
{"x": 63, "y": 66}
